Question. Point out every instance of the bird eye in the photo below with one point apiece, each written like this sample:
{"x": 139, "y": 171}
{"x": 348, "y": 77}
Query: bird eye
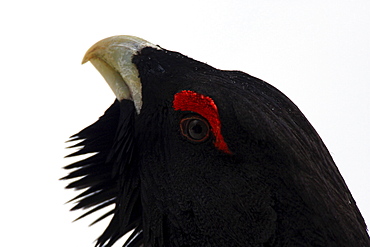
{"x": 195, "y": 128}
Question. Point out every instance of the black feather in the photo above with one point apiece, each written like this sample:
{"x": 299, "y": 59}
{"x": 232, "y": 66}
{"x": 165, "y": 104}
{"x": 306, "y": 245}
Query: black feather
{"x": 279, "y": 187}
{"x": 108, "y": 175}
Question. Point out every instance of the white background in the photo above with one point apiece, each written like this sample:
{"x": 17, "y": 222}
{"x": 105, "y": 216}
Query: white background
{"x": 317, "y": 52}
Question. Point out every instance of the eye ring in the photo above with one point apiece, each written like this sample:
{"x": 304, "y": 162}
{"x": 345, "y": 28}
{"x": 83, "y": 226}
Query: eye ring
{"x": 195, "y": 128}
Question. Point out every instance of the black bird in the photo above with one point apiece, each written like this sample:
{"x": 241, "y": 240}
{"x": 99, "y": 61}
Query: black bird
{"x": 190, "y": 155}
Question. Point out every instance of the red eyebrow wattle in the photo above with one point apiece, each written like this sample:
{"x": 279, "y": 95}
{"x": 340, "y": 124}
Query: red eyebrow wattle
{"x": 205, "y": 106}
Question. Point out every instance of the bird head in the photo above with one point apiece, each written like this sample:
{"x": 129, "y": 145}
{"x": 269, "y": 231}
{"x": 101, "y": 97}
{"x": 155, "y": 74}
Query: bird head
{"x": 190, "y": 155}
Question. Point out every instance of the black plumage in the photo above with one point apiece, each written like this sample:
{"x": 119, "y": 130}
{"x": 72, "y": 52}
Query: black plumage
{"x": 277, "y": 185}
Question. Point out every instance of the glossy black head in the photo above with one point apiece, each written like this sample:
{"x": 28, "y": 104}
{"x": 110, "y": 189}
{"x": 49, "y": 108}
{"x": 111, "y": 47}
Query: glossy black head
{"x": 214, "y": 158}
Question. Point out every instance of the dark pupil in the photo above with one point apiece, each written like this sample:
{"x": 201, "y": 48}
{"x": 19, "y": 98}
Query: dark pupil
{"x": 197, "y": 129}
